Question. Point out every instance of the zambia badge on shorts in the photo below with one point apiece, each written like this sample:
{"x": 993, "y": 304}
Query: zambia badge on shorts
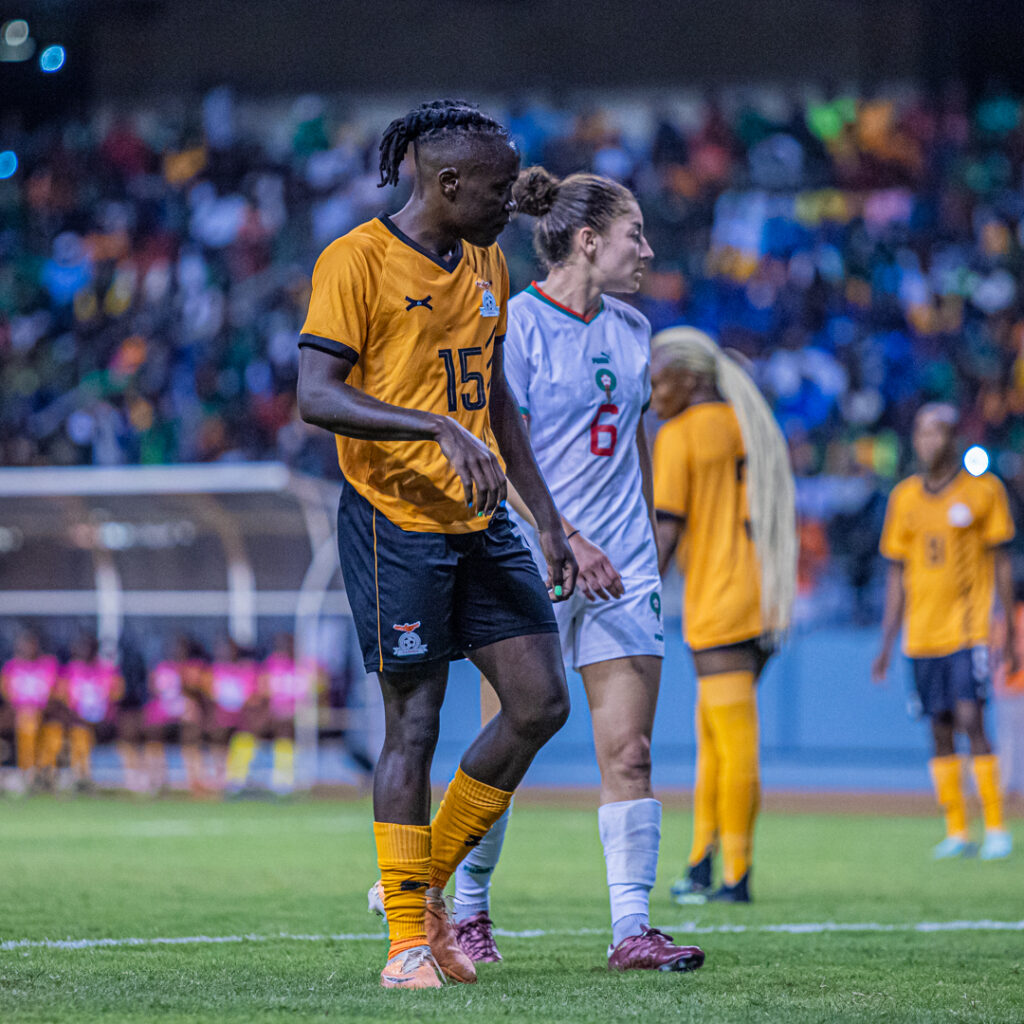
{"x": 409, "y": 642}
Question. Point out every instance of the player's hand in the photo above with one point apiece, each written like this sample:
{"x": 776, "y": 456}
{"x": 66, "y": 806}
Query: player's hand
{"x": 597, "y": 576}
{"x": 476, "y": 465}
{"x": 562, "y": 568}
{"x": 880, "y": 668}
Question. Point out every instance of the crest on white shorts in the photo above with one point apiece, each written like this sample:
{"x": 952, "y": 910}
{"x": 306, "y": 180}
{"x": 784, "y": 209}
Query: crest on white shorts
{"x": 409, "y": 642}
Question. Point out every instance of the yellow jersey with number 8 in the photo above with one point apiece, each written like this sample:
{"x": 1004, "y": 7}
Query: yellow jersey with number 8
{"x": 421, "y": 332}
{"x": 945, "y": 541}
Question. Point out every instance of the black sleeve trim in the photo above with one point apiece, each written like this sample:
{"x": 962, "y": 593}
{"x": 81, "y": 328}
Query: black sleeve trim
{"x": 660, "y": 513}
{"x": 499, "y": 339}
{"x": 328, "y": 345}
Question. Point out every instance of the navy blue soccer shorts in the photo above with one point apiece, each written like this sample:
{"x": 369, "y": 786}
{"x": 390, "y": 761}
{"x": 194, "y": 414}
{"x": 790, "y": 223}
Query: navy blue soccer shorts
{"x": 428, "y": 597}
{"x": 942, "y": 682}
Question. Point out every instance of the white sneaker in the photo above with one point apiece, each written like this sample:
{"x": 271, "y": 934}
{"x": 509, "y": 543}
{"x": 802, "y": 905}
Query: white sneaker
{"x": 997, "y": 845}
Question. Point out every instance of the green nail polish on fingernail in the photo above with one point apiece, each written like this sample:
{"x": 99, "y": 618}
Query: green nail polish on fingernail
{"x": 558, "y": 591}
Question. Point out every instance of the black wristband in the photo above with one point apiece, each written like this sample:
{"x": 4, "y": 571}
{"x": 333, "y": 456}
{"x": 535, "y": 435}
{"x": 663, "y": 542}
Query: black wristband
{"x": 573, "y": 534}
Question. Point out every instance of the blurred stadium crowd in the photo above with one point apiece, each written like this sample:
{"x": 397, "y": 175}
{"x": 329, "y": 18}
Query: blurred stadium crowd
{"x": 864, "y": 251}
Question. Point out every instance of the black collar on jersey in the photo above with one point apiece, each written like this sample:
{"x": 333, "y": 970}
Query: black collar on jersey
{"x": 449, "y": 265}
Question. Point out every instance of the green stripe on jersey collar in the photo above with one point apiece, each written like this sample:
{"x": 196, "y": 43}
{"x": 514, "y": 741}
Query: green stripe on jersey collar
{"x": 534, "y": 290}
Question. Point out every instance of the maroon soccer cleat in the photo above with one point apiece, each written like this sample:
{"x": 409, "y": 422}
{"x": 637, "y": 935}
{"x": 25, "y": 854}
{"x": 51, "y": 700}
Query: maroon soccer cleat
{"x": 476, "y": 937}
{"x": 654, "y": 951}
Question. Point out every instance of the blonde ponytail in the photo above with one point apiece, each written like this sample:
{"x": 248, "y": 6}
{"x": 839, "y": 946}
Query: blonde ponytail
{"x": 770, "y": 490}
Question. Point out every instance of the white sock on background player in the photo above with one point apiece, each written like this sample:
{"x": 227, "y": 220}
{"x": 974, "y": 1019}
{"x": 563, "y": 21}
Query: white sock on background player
{"x": 630, "y": 833}
{"x": 474, "y": 873}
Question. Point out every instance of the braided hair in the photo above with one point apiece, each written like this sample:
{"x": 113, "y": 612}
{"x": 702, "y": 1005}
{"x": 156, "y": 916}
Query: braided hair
{"x": 429, "y": 120}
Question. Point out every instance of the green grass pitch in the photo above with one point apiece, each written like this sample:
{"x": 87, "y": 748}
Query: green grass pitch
{"x": 100, "y": 868}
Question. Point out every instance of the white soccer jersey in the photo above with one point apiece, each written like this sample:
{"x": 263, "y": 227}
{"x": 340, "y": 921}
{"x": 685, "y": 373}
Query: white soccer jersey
{"x": 585, "y": 387}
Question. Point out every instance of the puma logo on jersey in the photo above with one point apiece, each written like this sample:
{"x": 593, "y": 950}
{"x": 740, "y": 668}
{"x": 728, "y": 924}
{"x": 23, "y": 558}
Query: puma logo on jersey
{"x": 602, "y": 358}
{"x": 413, "y": 303}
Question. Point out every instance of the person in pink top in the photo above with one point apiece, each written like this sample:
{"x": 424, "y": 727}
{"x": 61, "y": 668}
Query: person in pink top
{"x": 27, "y": 682}
{"x": 87, "y": 693}
{"x": 230, "y": 720}
{"x": 284, "y": 684}
{"x": 173, "y": 713}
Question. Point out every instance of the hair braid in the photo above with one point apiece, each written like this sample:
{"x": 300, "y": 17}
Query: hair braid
{"x": 430, "y": 119}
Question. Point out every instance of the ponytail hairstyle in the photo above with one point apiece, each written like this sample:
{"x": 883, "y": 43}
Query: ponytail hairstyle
{"x": 428, "y": 121}
{"x": 770, "y": 490}
{"x": 563, "y": 207}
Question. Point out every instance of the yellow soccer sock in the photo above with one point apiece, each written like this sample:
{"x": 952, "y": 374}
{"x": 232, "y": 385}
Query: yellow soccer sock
{"x": 51, "y": 739}
{"x": 81, "y": 747}
{"x": 947, "y": 776}
{"x": 241, "y": 751}
{"x": 403, "y": 856}
{"x": 467, "y": 812}
{"x": 283, "y": 777}
{"x": 986, "y": 778}
{"x": 26, "y": 731}
{"x": 705, "y": 790}
{"x": 731, "y": 703}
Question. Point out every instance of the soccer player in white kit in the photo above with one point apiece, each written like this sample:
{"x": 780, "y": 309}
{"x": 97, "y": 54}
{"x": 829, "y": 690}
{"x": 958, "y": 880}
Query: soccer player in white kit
{"x": 577, "y": 361}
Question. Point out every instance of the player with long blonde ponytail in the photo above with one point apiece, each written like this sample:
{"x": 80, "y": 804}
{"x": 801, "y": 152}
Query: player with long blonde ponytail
{"x": 723, "y": 491}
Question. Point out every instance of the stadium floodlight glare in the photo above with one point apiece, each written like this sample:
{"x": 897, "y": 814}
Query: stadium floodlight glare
{"x": 976, "y": 460}
{"x": 15, "y": 33}
{"x": 8, "y": 163}
{"x": 52, "y": 59}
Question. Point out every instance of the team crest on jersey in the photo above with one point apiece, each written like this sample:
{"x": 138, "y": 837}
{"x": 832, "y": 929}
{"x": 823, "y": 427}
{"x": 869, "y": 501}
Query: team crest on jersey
{"x": 606, "y": 381}
{"x": 960, "y": 515}
{"x": 409, "y": 642}
{"x": 489, "y": 306}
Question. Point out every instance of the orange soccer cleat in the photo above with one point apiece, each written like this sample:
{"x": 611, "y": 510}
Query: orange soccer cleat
{"x": 412, "y": 968}
{"x": 444, "y": 941}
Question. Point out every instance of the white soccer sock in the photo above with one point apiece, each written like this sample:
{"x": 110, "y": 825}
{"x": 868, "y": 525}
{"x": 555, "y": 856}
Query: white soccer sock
{"x": 473, "y": 875}
{"x": 630, "y": 833}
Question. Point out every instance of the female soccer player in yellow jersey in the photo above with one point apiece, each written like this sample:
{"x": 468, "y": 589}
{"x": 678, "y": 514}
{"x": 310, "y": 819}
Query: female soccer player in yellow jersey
{"x": 577, "y": 360}
{"x": 723, "y": 490}
{"x": 945, "y": 535}
{"x": 402, "y": 359}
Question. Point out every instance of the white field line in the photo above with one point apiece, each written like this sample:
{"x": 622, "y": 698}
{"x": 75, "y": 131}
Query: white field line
{"x": 686, "y": 928}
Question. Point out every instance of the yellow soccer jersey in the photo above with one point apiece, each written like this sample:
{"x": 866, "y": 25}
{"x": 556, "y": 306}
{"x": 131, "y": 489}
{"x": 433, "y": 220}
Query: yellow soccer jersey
{"x": 699, "y": 476}
{"x": 945, "y": 543}
{"x": 422, "y": 334}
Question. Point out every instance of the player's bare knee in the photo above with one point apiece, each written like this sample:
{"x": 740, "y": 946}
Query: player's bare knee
{"x": 543, "y": 718}
{"x": 630, "y": 759}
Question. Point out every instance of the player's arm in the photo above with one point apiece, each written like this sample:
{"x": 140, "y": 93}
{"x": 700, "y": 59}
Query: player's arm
{"x": 597, "y": 577}
{"x": 1004, "y": 591}
{"x": 522, "y": 470}
{"x": 326, "y": 400}
{"x": 668, "y": 532}
{"x": 892, "y": 620}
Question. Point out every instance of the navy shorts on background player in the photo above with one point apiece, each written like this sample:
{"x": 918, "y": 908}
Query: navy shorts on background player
{"x": 942, "y": 682}
{"x": 425, "y": 597}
